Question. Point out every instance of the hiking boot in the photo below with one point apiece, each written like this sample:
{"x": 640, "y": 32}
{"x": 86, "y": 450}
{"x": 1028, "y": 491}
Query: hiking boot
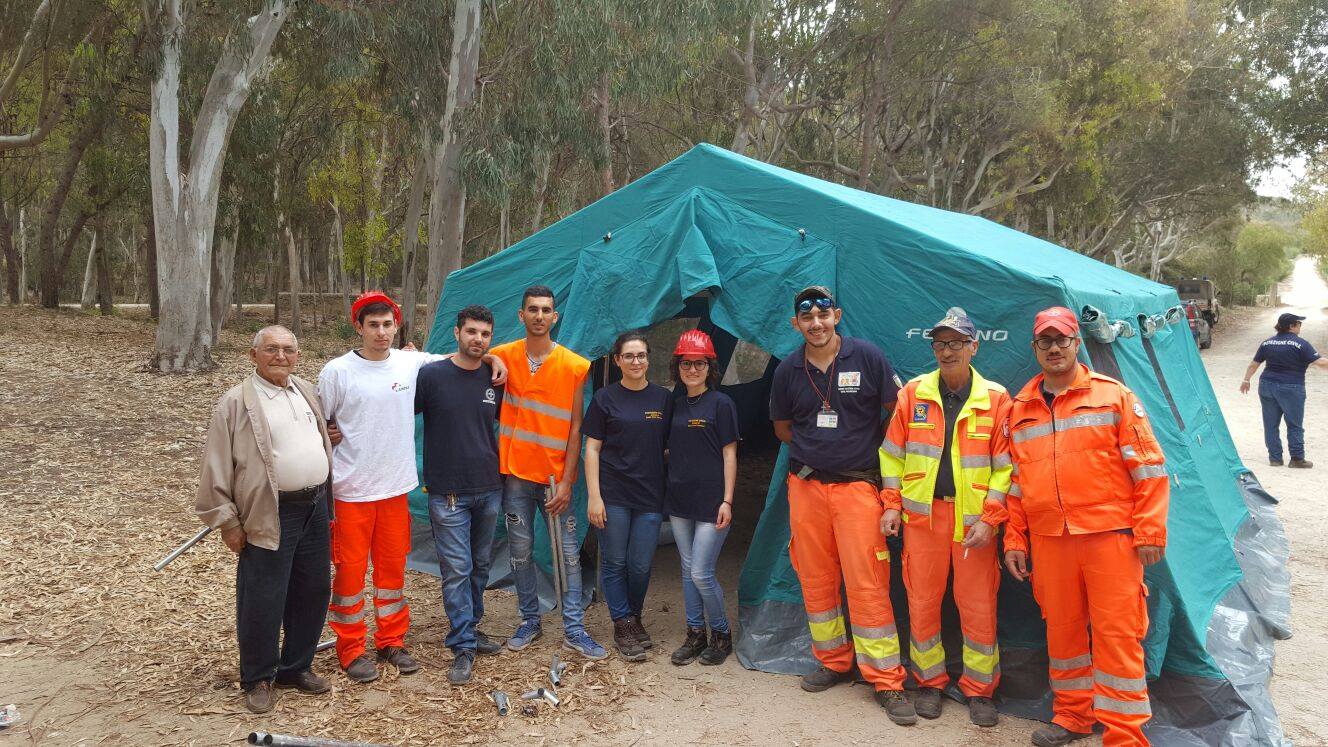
{"x": 642, "y": 635}
{"x": 583, "y": 644}
{"x": 305, "y": 682}
{"x": 462, "y": 666}
{"x": 363, "y": 669}
{"x": 397, "y": 657}
{"x": 525, "y": 634}
{"x": 824, "y": 678}
{"x": 260, "y": 697}
{"x": 484, "y": 646}
{"x": 981, "y": 711}
{"x": 721, "y": 645}
{"x": 690, "y": 648}
{"x": 897, "y": 707}
{"x": 1275, "y": 462}
{"x": 1055, "y": 735}
{"x": 1300, "y": 463}
{"x": 928, "y": 702}
{"x": 625, "y": 640}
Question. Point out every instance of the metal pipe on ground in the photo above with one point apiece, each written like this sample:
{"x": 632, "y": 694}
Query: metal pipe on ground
{"x": 177, "y": 552}
{"x": 285, "y": 740}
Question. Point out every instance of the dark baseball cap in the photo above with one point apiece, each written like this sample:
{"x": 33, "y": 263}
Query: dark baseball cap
{"x": 956, "y": 319}
{"x": 1288, "y": 319}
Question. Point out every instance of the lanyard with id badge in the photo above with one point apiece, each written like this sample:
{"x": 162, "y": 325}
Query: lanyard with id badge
{"x": 826, "y": 417}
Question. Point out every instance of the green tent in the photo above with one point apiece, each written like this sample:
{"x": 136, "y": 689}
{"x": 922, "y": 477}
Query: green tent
{"x": 731, "y": 239}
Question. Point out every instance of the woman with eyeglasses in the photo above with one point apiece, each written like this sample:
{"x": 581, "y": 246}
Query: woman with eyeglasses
{"x": 703, "y": 452}
{"x": 626, "y": 426}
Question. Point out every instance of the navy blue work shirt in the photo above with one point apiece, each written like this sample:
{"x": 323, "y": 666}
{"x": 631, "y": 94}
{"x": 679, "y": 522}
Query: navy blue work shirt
{"x": 863, "y": 383}
{"x": 460, "y": 408}
{"x": 633, "y": 428}
{"x": 701, "y": 428}
{"x": 1286, "y": 358}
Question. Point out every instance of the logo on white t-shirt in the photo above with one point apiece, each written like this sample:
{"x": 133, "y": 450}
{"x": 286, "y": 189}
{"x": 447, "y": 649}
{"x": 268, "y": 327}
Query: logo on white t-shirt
{"x": 397, "y": 386}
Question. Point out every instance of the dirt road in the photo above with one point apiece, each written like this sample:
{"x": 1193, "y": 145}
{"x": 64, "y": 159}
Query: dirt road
{"x": 97, "y": 649}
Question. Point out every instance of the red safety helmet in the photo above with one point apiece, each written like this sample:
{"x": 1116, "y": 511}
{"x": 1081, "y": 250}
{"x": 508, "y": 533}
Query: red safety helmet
{"x": 373, "y": 296}
{"x": 695, "y": 342}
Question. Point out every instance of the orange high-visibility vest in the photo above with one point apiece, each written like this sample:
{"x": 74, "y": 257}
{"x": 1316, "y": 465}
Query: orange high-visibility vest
{"x": 536, "y": 416}
{"x": 1090, "y": 463}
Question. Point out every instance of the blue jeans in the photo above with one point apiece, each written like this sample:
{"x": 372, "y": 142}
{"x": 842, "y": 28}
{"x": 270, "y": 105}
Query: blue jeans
{"x": 626, "y": 551}
{"x": 463, "y": 528}
{"x": 699, "y": 543}
{"x": 523, "y": 499}
{"x": 1283, "y": 401}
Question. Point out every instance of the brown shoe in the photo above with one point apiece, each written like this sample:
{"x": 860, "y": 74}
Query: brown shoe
{"x": 928, "y": 702}
{"x": 305, "y": 682}
{"x": 1300, "y": 463}
{"x": 399, "y": 658}
{"x": 982, "y": 711}
{"x": 625, "y": 640}
{"x": 642, "y": 635}
{"x": 1055, "y": 735}
{"x": 363, "y": 669}
{"x": 260, "y": 697}
{"x": 897, "y": 707}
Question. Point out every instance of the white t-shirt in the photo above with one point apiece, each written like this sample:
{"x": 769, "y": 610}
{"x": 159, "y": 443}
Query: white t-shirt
{"x": 373, "y": 403}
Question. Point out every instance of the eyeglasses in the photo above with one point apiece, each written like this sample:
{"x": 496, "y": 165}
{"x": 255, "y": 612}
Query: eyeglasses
{"x": 694, "y": 365}
{"x": 1045, "y": 343}
{"x": 939, "y": 345}
{"x": 274, "y": 349}
{"x": 634, "y": 357}
{"x": 822, "y": 303}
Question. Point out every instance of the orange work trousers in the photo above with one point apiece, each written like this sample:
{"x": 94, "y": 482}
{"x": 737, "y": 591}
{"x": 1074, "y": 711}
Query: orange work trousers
{"x": 377, "y": 530}
{"x": 1094, "y": 580}
{"x": 929, "y": 553}
{"x": 836, "y": 540}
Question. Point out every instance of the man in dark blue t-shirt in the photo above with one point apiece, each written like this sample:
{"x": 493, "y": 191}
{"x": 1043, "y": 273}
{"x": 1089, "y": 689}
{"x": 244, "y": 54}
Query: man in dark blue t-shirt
{"x": 460, "y": 408}
{"x": 1282, "y": 388}
{"x": 829, "y": 401}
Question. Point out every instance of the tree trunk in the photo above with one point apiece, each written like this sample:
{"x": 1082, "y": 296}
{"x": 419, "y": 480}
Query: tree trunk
{"x": 605, "y": 134}
{"x": 223, "y": 279}
{"x": 10, "y": 255}
{"x": 293, "y": 270}
{"x": 105, "y": 287}
{"x": 150, "y": 266}
{"x": 52, "y": 271}
{"x": 447, "y": 203}
{"x": 185, "y": 204}
{"x": 339, "y": 237}
{"x": 22, "y": 256}
{"x": 541, "y": 193}
{"x": 410, "y": 236}
{"x": 88, "y": 299}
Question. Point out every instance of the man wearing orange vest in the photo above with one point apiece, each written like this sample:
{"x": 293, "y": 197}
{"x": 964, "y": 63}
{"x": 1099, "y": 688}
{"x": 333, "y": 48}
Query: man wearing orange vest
{"x": 1090, "y": 493}
{"x": 945, "y": 464}
{"x": 539, "y": 437}
{"x": 829, "y": 401}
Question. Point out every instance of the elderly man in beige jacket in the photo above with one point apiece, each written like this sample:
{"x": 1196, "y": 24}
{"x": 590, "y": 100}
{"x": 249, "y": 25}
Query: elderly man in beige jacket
{"x": 264, "y": 486}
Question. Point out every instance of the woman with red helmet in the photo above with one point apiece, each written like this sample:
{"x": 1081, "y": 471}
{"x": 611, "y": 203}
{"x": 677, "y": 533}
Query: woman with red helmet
{"x": 703, "y": 458}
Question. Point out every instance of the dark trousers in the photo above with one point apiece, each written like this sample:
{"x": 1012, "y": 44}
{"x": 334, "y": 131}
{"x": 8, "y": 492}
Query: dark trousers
{"x": 287, "y": 588}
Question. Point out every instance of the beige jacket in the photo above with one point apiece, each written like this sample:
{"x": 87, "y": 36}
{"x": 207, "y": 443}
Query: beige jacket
{"x": 238, "y": 485}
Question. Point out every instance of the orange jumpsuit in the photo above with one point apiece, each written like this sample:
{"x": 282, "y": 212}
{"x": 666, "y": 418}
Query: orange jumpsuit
{"x": 935, "y": 526}
{"x": 1090, "y": 486}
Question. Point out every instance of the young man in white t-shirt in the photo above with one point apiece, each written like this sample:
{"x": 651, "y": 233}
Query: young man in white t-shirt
{"x": 370, "y": 394}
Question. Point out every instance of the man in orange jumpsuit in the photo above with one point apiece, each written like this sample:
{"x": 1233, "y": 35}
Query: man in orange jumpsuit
{"x": 1090, "y": 493}
{"x": 945, "y": 470}
{"x": 827, "y": 401}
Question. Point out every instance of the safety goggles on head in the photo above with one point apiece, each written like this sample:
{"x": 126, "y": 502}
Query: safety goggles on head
{"x": 1046, "y": 343}
{"x": 822, "y": 303}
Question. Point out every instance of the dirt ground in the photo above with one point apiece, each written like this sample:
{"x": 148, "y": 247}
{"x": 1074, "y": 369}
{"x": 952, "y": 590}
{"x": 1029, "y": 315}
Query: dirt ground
{"x": 96, "y": 648}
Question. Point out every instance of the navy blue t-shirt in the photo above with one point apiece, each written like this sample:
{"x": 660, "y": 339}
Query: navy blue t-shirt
{"x": 1287, "y": 356}
{"x": 700, "y": 431}
{"x": 460, "y": 408}
{"x": 863, "y": 383}
{"x": 633, "y": 427}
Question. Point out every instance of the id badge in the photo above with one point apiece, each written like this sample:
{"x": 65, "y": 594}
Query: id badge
{"x": 827, "y": 419}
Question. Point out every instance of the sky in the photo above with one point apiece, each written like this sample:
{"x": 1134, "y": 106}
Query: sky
{"x": 1278, "y": 180}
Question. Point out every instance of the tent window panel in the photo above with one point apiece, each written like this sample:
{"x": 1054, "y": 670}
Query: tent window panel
{"x": 1103, "y": 358}
{"x": 1161, "y": 379}
{"x": 748, "y": 364}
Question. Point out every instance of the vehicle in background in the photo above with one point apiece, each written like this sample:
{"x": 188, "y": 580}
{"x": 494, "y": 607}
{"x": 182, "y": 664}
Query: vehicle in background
{"x": 1203, "y": 292}
{"x": 1199, "y": 326}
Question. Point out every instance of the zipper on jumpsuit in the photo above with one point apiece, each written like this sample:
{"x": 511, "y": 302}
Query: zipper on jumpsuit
{"x": 1056, "y": 473}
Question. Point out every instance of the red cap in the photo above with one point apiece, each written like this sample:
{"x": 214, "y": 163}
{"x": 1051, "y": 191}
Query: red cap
{"x": 373, "y": 296}
{"x": 1058, "y": 318}
{"x": 695, "y": 342}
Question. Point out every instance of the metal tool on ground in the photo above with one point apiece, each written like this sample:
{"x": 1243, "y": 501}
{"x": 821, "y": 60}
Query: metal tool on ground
{"x": 500, "y": 700}
{"x": 555, "y": 547}
{"x": 177, "y": 552}
{"x": 8, "y": 716}
{"x": 325, "y": 645}
{"x": 285, "y": 740}
{"x": 541, "y": 693}
{"x": 556, "y": 670}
